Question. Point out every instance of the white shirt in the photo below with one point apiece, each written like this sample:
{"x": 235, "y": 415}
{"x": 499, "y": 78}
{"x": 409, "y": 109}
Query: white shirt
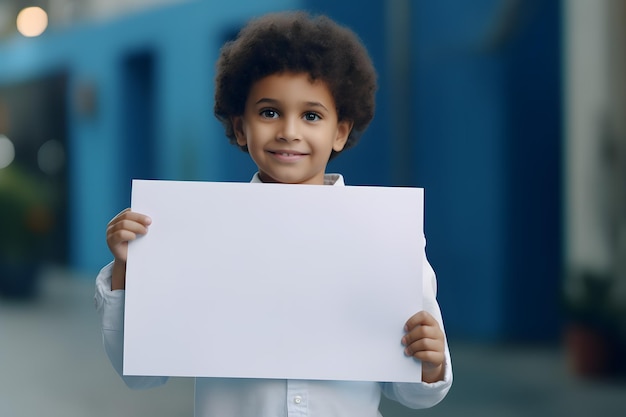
{"x": 232, "y": 397}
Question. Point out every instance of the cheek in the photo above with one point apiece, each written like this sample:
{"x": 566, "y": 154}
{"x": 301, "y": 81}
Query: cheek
{"x": 254, "y": 142}
{"x": 260, "y": 134}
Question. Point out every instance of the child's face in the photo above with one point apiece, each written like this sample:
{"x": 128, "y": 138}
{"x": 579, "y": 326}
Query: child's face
{"x": 290, "y": 127}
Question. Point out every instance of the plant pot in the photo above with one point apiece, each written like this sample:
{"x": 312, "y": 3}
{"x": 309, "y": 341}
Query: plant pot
{"x": 590, "y": 351}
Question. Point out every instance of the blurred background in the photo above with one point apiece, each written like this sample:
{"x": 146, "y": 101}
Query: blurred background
{"x": 510, "y": 113}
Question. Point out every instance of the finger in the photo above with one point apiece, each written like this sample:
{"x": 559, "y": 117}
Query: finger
{"x": 118, "y": 236}
{"x": 420, "y": 318}
{"x": 121, "y": 236}
{"x": 426, "y": 330}
{"x": 127, "y": 214}
{"x": 434, "y": 358}
{"x": 434, "y": 355}
{"x": 429, "y": 351}
{"x": 423, "y": 332}
{"x": 129, "y": 225}
{"x": 424, "y": 345}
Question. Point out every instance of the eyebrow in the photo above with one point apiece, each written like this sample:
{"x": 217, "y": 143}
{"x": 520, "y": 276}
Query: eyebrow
{"x": 275, "y": 102}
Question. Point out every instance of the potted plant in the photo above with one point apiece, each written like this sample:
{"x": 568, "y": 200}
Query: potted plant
{"x": 595, "y": 334}
{"x": 25, "y": 222}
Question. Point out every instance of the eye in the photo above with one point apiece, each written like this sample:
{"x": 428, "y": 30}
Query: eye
{"x": 269, "y": 113}
{"x": 311, "y": 116}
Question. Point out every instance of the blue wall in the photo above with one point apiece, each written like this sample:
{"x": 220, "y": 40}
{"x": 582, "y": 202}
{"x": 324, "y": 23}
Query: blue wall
{"x": 188, "y": 143}
{"x": 487, "y": 128}
{"x": 473, "y": 116}
{"x": 477, "y": 123}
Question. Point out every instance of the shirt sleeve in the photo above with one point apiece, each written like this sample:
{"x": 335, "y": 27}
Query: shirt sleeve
{"x": 110, "y": 307}
{"x": 424, "y": 395}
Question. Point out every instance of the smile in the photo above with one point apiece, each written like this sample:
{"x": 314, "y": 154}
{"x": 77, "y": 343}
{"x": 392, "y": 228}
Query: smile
{"x": 287, "y": 156}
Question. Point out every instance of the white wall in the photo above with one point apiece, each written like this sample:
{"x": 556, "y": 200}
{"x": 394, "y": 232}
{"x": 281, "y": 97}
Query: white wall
{"x": 591, "y": 88}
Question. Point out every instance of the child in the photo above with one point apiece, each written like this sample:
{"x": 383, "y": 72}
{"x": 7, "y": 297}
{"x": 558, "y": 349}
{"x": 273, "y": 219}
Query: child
{"x": 293, "y": 91}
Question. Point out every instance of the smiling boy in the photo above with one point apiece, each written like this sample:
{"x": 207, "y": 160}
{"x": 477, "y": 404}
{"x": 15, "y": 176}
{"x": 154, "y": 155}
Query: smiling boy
{"x": 293, "y": 91}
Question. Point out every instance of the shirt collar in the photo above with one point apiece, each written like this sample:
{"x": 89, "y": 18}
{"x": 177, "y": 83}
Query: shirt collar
{"x": 329, "y": 179}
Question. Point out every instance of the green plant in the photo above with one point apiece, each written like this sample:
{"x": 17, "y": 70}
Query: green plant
{"x": 589, "y": 299}
{"x": 25, "y": 223}
{"x": 25, "y": 214}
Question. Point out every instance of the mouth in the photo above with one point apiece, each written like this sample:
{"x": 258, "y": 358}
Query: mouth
{"x": 287, "y": 155}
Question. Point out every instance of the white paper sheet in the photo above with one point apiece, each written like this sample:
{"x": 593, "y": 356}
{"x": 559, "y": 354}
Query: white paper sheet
{"x": 273, "y": 281}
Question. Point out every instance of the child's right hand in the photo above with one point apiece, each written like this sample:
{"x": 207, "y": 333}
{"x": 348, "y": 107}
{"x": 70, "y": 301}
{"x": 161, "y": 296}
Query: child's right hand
{"x": 123, "y": 228}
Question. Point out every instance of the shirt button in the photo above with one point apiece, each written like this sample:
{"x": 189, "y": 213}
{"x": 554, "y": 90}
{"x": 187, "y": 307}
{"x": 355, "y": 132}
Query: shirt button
{"x": 297, "y": 399}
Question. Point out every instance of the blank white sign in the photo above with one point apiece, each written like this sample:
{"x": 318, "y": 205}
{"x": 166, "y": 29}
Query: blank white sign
{"x": 249, "y": 280}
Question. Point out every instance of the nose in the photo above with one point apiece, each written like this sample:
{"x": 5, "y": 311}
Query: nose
{"x": 290, "y": 130}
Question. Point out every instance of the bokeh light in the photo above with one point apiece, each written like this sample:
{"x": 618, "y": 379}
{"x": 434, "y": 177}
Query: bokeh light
{"x": 32, "y": 21}
{"x": 7, "y": 151}
{"x": 51, "y": 157}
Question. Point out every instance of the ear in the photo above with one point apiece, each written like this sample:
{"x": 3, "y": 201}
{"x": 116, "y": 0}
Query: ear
{"x": 344, "y": 128}
{"x": 238, "y": 130}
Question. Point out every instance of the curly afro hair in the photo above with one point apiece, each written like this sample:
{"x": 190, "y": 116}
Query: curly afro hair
{"x": 299, "y": 43}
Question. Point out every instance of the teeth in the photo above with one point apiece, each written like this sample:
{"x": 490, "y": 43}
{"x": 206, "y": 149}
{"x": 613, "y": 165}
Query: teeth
{"x": 285, "y": 154}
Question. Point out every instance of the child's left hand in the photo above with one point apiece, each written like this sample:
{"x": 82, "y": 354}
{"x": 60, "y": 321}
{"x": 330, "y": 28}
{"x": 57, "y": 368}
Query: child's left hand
{"x": 424, "y": 340}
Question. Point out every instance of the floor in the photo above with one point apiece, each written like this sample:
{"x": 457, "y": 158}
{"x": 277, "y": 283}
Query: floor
{"x": 52, "y": 363}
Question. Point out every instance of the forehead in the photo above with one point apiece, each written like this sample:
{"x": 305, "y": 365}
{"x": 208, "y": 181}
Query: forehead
{"x": 291, "y": 87}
